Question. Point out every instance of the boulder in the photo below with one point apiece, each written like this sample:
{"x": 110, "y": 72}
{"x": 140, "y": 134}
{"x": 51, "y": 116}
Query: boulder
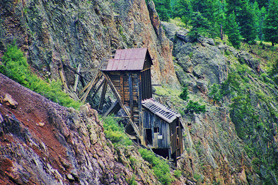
{"x": 9, "y": 101}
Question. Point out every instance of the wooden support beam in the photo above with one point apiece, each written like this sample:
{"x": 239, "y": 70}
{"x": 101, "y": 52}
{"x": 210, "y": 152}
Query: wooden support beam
{"x": 113, "y": 109}
{"x": 122, "y": 105}
{"x": 130, "y": 94}
{"x": 63, "y": 79}
{"x": 76, "y": 78}
{"x": 82, "y": 77}
{"x": 101, "y": 83}
{"x": 87, "y": 86}
{"x": 104, "y": 89}
{"x": 90, "y": 86}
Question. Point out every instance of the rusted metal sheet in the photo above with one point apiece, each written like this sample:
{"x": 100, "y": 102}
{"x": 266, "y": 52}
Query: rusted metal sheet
{"x": 160, "y": 110}
{"x": 128, "y": 60}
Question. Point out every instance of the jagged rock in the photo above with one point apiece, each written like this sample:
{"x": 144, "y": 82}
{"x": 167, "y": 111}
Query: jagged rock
{"x": 58, "y": 35}
{"x": 8, "y": 100}
{"x": 186, "y": 64}
{"x": 209, "y": 41}
{"x": 246, "y": 58}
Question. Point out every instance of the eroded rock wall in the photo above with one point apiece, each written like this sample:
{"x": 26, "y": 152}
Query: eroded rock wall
{"x": 56, "y": 34}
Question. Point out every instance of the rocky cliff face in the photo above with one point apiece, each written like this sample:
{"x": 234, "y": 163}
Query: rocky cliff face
{"x": 56, "y": 34}
{"x": 235, "y": 141}
{"x": 44, "y": 143}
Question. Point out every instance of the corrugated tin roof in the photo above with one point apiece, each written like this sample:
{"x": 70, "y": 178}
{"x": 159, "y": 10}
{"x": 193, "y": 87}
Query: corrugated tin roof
{"x": 127, "y": 59}
{"x": 160, "y": 110}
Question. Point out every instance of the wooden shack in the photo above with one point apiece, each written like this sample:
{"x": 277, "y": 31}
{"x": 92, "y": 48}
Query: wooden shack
{"x": 162, "y": 129}
{"x": 129, "y": 76}
{"x": 130, "y": 73}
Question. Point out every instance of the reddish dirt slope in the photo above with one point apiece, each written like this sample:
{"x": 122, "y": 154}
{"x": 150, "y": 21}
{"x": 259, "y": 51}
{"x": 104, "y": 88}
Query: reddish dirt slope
{"x": 44, "y": 143}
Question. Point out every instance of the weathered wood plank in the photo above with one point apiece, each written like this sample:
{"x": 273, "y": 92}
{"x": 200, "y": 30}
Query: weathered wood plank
{"x": 122, "y": 87}
{"x": 91, "y": 85}
{"x": 92, "y": 81}
{"x": 76, "y": 78}
{"x": 103, "y": 95}
{"x": 63, "y": 79}
{"x": 98, "y": 89}
{"x": 140, "y": 91}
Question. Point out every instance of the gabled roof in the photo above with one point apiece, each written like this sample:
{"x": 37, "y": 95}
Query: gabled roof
{"x": 128, "y": 60}
{"x": 160, "y": 110}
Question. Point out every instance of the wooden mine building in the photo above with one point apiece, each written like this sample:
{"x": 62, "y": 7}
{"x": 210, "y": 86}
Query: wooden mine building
{"x": 128, "y": 75}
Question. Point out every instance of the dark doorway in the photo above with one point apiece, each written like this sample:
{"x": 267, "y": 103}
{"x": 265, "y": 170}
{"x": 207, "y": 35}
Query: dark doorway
{"x": 162, "y": 152}
{"x": 149, "y": 138}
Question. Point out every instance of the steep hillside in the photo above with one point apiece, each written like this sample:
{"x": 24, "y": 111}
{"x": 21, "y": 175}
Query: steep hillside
{"x": 55, "y": 34}
{"x": 230, "y": 119}
{"x": 235, "y": 141}
{"x": 44, "y": 143}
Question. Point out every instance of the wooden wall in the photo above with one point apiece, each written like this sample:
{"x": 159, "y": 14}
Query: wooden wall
{"x": 146, "y": 84}
{"x": 151, "y": 121}
{"x": 176, "y": 137}
{"x": 171, "y": 133}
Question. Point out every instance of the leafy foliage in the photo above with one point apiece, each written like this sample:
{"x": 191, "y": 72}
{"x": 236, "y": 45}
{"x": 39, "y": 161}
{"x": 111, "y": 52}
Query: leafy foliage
{"x": 160, "y": 167}
{"x": 177, "y": 173}
{"x": 115, "y": 132}
{"x": 184, "y": 94}
{"x": 195, "y": 107}
{"x": 15, "y": 66}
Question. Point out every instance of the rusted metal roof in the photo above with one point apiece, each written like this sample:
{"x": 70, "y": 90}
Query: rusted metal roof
{"x": 128, "y": 59}
{"x": 160, "y": 110}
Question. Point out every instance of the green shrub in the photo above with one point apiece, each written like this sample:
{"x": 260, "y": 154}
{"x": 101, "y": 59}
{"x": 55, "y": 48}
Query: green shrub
{"x": 184, "y": 94}
{"x": 131, "y": 181}
{"x": 215, "y": 92}
{"x": 160, "y": 167}
{"x": 177, "y": 173}
{"x": 195, "y": 107}
{"x": 15, "y": 66}
{"x": 115, "y": 132}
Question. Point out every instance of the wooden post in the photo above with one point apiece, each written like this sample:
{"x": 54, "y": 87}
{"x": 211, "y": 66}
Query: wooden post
{"x": 76, "y": 78}
{"x": 63, "y": 80}
{"x": 130, "y": 94}
{"x": 139, "y": 91}
{"x": 122, "y": 93}
{"x": 102, "y": 95}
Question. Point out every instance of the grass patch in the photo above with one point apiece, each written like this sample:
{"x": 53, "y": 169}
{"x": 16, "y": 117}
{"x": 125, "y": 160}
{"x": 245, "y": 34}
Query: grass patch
{"x": 115, "y": 132}
{"x": 160, "y": 167}
{"x": 15, "y": 66}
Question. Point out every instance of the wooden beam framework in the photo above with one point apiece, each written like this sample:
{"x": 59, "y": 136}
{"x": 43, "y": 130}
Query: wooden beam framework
{"x": 118, "y": 97}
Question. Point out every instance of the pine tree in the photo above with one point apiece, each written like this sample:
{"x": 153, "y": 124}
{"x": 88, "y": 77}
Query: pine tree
{"x": 261, "y": 20}
{"x": 247, "y": 23}
{"x": 163, "y": 8}
{"x": 271, "y": 23}
{"x": 181, "y": 8}
{"x": 199, "y": 24}
{"x": 233, "y": 30}
{"x": 262, "y": 3}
